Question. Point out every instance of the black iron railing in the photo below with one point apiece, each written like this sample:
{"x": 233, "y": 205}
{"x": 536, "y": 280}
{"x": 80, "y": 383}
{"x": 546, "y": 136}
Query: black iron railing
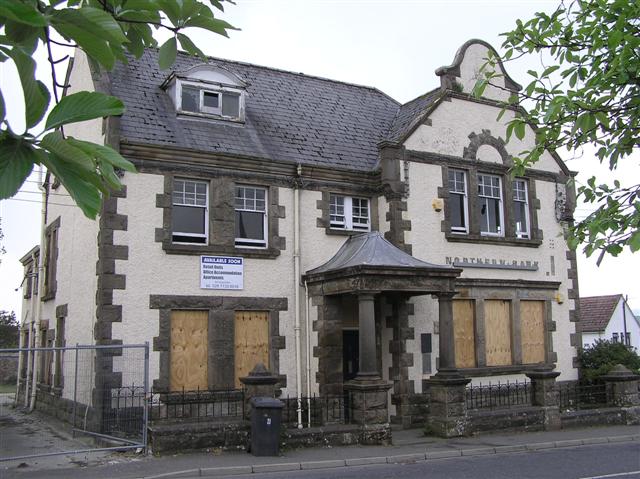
{"x": 123, "y": 411}
{"x": 573, "y": 396}
{"x": 317, "y": 410}
{"x": 498, "y": 396}
{"x": 197, "y": 404}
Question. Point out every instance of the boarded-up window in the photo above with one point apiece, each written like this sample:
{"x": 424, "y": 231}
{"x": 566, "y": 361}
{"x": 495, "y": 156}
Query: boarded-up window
{"x": 189, "y": 331}
{"x": 251, "y": 342}
{"x": 532, "y": 331}
{"x": 463, "y": 332}
{"x": 497, "y": 328}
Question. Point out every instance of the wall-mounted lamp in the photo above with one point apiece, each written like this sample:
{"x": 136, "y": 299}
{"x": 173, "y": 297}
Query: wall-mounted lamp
{"x": 437, "y": 204}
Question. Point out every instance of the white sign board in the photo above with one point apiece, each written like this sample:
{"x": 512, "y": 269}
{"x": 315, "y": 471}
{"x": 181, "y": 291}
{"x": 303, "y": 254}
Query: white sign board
{"x": 221, "y": 272}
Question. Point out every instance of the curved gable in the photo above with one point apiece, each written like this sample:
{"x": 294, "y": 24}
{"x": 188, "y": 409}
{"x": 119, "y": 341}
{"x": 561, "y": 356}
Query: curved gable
{"x": 466, "y": 68}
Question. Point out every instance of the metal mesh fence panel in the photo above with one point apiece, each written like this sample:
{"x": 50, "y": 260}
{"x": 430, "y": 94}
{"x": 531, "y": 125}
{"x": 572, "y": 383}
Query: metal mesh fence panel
{"x": 100, "y": 391}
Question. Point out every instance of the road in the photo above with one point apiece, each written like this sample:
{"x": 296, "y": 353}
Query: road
{"x": 607, "y": 461}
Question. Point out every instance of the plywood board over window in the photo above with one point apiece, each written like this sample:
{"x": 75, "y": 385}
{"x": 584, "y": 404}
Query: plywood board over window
{"x": 189, "y": 332}
{"x": 251, "y": 342}
{"x": 463, "y": 332}
{"x": 532, "y": 331}
{"x": 497, "y": 324}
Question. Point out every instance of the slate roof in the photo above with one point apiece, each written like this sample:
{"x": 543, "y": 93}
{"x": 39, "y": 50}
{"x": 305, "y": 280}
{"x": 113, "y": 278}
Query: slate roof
{"x": 289, "y": 116}
{"x": 371, "y": 249}
{"x": 596, "y": 311}
{"x": 410, "y": 114}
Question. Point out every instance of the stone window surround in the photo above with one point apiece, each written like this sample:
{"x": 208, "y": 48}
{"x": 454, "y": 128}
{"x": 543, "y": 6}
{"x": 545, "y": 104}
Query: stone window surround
{"x": 51, "y": 260}
{"x": 62, "y": 312}
{"x": 474, "y": 235}
{"x": 479, "y": 290}
{"x": 324, "y": 221}
{"x": 221, "y": 330}
{"x": 221, "y": 237}
{"x": 30, "y": 270}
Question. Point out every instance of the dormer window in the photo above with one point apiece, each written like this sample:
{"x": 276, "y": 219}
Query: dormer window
{"x": 196, "y": 99}
{"x": 207, "y": 91}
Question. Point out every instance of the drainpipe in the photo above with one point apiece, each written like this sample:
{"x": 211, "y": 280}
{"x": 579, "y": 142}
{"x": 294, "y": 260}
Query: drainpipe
{"x": 308, "y": 331}
{"x": 44, "y": 187}
{"x": 296, "y": 281}
{"x": 29, "y": 323}
{"x": 21, "y": 354}
{"x": 624, "y": 319}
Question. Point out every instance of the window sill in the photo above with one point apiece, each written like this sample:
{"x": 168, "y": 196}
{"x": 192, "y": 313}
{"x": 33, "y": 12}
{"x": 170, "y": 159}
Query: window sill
{"x": 49, "y": 296}
{"x": 194, "y": 249}
{"x": 339, "y": 232}
{"x": 495, "y": 240}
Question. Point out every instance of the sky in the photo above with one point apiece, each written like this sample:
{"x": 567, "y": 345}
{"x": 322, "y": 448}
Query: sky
{"x": 394, "y": 46}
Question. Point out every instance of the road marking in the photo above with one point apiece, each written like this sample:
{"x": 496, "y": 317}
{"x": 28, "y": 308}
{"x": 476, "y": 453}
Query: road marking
{"x": 620, "y": 474}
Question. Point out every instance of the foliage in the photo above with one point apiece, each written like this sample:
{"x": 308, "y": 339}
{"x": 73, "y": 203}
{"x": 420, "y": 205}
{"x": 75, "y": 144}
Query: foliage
{"x": 2, "y": 249}
{"x": 588, "y": 96}
{"x": 8, "y": 330}
{"x": 107, "y": 31}
{"x": 599, "y": 359}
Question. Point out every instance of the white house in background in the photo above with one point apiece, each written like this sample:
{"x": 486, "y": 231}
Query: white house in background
{"x": 608, "y": 317}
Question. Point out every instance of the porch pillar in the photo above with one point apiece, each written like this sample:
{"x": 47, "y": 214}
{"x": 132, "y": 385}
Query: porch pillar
{"x": 448, "y": 409}
{"x": 446, "y": 339}
{"x": 367, "y": 393}
{"x": 367, "y": 337}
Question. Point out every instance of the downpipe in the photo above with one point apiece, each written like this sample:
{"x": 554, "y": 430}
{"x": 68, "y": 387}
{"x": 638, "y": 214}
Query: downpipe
{"x": 44, "y": 188}
{"x": 296, "y": 284}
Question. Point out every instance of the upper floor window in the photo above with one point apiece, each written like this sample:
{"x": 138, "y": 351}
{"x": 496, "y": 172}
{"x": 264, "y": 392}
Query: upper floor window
{"x": 459, "y": 201}
{"x": 251, "y": 216}
{"x": 349, "y": 213}
{"x": 490, "y": 205}
{"x": 189, "y": 218}
{"x": 208, "y": 91}
{"x": 521, "y": 208}
{"x": 196, "y": 99}
{"x": 51, "y": 260}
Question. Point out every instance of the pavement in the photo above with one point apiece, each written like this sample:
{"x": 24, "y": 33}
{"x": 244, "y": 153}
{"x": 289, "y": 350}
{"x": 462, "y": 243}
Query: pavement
{"x": 408, "y": 446}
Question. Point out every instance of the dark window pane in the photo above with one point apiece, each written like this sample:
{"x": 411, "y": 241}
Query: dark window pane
{"x": 249, "y": 225}
{"x": 457, "y": 211}
{"x": 187, "y": 219}
{"x": 494, "y": 216}
{"x": 231, "y": 104}
{"x": 190, "y": 99}
{"x": 520, "y": 217}
{"x": 211, "y": 100}
{"x": 425, "y": 343}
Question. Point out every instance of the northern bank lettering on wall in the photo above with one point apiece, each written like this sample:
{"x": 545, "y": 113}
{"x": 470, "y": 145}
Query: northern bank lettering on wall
{"x": 491, "y": 263}
{"x": 221, "y": 272}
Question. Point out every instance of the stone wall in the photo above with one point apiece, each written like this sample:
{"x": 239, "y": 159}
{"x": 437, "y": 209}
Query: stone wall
{"x": 182, "y": 437}
{"x": 50, "y": 402}
{"x": 236, "y": 435}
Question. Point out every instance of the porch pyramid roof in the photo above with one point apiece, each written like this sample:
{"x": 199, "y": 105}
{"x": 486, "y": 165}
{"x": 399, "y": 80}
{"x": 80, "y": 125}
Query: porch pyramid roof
{"x": 368, "y": 262}
{"x": 371, "y": 249}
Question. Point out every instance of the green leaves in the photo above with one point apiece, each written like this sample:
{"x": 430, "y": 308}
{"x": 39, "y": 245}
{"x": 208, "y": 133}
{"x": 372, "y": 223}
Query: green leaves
{"x": 83, "y": 106}
{"x": 85, "y": 169}
{"x": 167, "y": 53}
{"x": 105, "y": 31}
{"x": 16, "y": 162}
{"x": 586, "y": 94}
{"x": 22, "y": 12}
{"x": 36, "y": 95}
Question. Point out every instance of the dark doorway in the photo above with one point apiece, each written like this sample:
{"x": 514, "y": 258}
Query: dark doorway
{"x": 350, "y": 352}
